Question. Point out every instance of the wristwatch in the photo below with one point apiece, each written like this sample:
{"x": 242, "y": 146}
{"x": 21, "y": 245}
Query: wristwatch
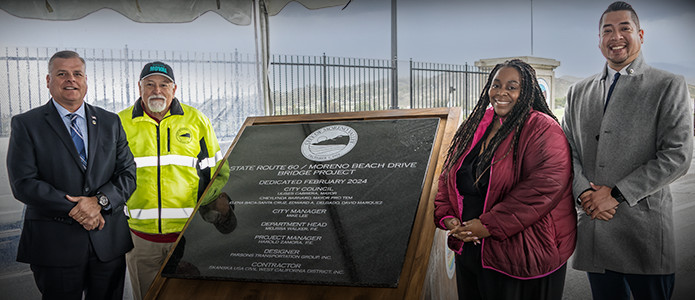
{"x": 102, "y": 200}
{"x": 615, "y": 193}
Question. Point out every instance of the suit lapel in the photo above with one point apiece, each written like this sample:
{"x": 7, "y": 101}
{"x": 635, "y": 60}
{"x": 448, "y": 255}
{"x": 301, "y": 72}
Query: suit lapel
{"x": 599, "y": 93}
{"x": 92, "y": 133}
{"x": 56, "y": 122}
{"x": 594, "y": 105}
{"x": 626, "y": 90}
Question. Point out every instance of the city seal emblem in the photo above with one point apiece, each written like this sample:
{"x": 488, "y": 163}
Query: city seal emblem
{"x": 183, "y": 135}
{"x": 329, "y": 143}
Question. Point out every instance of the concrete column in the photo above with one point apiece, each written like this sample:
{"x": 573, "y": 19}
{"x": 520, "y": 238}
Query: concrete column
{"x": 545, "y": 70}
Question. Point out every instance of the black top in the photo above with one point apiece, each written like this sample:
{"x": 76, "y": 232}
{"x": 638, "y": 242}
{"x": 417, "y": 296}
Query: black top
{"x": 473, "y": 194}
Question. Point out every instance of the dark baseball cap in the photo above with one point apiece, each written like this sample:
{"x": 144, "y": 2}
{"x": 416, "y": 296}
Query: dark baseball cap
{"x": 157, "y": 68}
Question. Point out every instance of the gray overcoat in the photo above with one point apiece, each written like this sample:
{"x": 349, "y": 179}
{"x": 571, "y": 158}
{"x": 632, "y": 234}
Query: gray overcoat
{"x": 642, "y": 143}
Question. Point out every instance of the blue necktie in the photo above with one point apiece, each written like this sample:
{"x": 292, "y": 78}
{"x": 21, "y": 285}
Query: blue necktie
{"x": 610, "y": 90}
{"x": 77, "y": 138}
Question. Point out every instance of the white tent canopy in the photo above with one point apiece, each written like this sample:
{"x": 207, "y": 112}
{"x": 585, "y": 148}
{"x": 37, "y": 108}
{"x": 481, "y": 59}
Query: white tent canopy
{"x": 239, "y": 12}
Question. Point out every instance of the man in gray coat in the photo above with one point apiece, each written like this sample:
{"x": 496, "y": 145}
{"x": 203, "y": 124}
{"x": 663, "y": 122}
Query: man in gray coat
{"x": 631, "y": 136}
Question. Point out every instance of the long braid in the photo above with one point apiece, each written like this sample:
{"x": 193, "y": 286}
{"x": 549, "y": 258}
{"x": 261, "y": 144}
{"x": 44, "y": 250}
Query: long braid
{"x": 464, "y": 135}
{"x": 530, "y": 97}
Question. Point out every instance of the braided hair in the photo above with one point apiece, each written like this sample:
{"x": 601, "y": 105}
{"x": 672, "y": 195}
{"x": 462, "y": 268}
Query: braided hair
{"x": 530, "y": 96}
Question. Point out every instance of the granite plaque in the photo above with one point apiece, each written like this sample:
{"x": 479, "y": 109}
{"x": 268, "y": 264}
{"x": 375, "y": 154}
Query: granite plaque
{"x": 329, "y": 203}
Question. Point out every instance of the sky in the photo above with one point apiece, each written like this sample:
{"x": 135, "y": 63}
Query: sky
{"x": 438, "y": 31}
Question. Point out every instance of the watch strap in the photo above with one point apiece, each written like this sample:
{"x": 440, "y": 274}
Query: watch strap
{"x": 615, "y": 193}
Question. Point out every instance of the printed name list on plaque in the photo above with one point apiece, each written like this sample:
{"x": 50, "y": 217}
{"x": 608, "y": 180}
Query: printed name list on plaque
{"x": 328, "y": 203}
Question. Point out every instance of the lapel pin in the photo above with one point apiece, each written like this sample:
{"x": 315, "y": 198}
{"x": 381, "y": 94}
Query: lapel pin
{"x": 631, "y": 71}
{"x": 94, "y": 120}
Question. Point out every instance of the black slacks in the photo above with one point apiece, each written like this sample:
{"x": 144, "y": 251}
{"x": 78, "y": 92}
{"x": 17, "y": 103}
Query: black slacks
{"x": 96, "y": 279}
{"x": 474, "y": 282}
{"x": 619, "y": 286}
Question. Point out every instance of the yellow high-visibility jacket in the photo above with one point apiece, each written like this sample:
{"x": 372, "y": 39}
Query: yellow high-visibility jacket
{"x": 175, "y": 160}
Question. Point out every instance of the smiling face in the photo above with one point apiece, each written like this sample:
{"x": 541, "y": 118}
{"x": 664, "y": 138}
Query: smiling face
{"x": 504, "y": 90}
{"x": 157, "y": 92}
{"x": 620, "y": 39}
{"x": 67, "y": 82}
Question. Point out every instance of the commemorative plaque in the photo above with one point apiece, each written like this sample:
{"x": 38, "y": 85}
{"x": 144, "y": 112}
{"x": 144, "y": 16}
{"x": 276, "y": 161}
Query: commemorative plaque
{"x": 330, "y": 203}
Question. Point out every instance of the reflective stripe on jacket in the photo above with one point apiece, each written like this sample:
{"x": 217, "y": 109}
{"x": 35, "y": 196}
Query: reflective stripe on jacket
{"x": 175, "y": 161}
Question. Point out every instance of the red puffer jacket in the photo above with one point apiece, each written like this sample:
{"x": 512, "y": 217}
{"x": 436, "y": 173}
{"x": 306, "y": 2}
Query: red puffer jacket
{"x": 529, "y": 210}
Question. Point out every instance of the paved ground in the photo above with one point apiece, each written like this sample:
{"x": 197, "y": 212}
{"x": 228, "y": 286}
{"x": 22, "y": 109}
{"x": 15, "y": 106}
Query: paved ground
{"x": 16, "y": 281}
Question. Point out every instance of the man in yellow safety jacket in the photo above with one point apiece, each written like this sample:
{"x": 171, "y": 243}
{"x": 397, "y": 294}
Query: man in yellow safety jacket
{"x": 177, "y": 154}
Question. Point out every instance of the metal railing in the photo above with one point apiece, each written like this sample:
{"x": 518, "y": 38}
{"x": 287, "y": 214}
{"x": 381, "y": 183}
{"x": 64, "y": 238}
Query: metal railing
{"x": 322, "y": 84}
{"x": 222, "y": 85}
{"x": 446, "y": 85}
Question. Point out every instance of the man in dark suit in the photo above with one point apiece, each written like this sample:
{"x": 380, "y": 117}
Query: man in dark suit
{"x": 70, "y": 163}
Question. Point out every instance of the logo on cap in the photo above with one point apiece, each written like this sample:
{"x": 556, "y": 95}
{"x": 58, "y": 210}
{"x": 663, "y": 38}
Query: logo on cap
{"x": 160, "y": 68}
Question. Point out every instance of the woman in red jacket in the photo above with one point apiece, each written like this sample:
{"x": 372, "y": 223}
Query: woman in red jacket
{"x": 505, "y": 193}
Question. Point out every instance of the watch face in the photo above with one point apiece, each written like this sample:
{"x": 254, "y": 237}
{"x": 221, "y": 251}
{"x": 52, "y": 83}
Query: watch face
{"x": 103, "y": 201}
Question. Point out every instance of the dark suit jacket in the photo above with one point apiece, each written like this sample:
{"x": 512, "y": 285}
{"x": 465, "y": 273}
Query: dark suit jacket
{"x": 44, "y": 166}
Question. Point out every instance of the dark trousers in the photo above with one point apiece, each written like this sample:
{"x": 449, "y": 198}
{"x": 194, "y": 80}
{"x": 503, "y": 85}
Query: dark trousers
{"x": 474, "y": 282}
{"x": 96, "y": 279}
{"x": 616, "y": 286}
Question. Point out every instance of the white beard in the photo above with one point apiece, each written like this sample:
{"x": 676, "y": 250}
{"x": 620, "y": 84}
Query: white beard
{"x": 156, "y": 104}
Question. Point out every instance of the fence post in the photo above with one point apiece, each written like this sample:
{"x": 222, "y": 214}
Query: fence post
{"x": 411, "y": 82}
{"x": 9, "y": 93}
{"x": 465, "y": 87}
{"x": 127, "y": 77}
{"x": 236, "y": 86}
{"x": 19, "y": 91}
{"x": 325, "y": 87}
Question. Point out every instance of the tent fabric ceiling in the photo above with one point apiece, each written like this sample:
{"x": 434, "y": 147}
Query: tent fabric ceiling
{"x": 239, "y": 12}
{"x": 275, "y": 6}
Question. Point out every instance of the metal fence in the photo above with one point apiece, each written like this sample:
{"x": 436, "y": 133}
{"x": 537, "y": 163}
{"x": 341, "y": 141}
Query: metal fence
{"x": 446, "y": 85}
{"x": 222, "y": 85}
{"x": 322, "y": 84}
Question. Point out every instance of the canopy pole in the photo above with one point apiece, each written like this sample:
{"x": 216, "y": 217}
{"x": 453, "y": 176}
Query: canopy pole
{"x": 394, "y": 57}
{"x": 261, "y": 16}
